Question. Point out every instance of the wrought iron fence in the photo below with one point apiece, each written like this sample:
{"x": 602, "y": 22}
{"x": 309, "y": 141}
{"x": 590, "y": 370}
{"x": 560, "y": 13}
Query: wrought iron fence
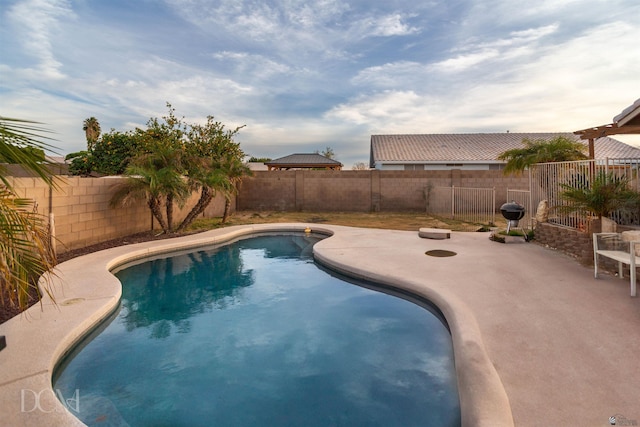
{"x": 630, "y": 169}
{"x": 475, "y": 205}
{"x": 547, "y": 181}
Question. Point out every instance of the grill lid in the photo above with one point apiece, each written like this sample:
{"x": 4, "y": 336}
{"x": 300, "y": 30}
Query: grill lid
{"x": 512, "y": 211}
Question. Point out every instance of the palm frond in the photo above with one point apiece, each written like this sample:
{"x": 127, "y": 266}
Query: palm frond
{"x": 25, "y": 249}
{"x": 19, "y": 142}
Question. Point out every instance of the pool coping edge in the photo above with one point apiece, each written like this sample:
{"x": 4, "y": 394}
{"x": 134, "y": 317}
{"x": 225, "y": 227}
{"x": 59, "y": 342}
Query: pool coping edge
{"x": 483, "y": 398}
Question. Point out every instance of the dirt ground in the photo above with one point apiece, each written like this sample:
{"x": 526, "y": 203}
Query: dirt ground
{"x": 387, "y": 220}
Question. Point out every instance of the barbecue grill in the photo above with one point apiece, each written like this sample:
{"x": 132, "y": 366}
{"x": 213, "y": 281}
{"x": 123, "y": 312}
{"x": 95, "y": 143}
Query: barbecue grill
{"x": 513, "y": 212}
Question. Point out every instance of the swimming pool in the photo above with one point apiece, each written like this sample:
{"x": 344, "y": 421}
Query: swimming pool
{"x": 255, "y": 333}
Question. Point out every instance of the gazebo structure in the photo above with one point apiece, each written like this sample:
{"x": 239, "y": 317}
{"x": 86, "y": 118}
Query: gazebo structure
{"x": 627, "y": 122}
{"x": 304, "y": 161}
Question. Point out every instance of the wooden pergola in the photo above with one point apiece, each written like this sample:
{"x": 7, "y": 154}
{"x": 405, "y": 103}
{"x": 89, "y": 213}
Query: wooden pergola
{"x": 304, "y": 161}
{"x": 627, "y": 122}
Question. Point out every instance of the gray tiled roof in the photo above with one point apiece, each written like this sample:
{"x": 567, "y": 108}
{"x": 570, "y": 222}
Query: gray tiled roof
{"x": 475, "y": 147}
{"x": 304, "y": 159}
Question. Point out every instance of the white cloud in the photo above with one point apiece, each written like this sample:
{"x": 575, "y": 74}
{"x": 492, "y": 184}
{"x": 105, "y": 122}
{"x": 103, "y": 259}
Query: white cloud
{"x": 390, "y": 74}
{"x": 518, "y": 44}
{"x": 555, "y": 88}
{"x": 384, "y": 26}
{"x": 258, "y": 66}
{"x": 466, "y": 61}
{"x": 306, "y": 75}
{"x": 534, "y": 33}
{"x": 36, "y": 20}
{"x": 387, "y": 109}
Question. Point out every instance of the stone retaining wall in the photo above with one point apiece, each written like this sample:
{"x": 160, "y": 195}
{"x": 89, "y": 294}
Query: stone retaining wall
{"x": 568, "y": 240}
{"x": 578, "y": 244}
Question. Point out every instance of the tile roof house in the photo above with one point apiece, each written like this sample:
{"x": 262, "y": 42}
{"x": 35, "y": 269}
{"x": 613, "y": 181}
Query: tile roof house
{"x": 304, "y": 161}
{"x": 474, "y": 151}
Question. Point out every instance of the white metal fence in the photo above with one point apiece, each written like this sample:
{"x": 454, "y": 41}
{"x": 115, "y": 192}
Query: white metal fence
{"x": 475, "y": 205}
{"x": 547, "y": 181}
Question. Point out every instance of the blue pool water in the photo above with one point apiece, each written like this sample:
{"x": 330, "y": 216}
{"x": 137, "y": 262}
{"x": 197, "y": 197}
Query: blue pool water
{"x": 254, "y": 333}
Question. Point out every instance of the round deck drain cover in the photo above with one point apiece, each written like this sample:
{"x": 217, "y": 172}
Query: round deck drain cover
{"x": 440, "y": 253}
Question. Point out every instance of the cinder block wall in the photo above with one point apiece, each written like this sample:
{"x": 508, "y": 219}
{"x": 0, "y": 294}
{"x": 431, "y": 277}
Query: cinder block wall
{"x": 362, "y": 191}
{"x": 268, "y": 191}
{"x": 82, "y": 214}
{"x": 335, "y": 191}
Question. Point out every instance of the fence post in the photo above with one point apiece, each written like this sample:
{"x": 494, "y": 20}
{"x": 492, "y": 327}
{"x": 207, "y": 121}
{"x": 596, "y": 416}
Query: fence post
{"x": 493, "y": 204}
{"x": 453, "y": 201}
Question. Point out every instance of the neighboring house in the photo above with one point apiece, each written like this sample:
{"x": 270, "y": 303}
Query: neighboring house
{"x": 473, "y": 151}
{"x": 257, "y": 166}
{"x": 303, "y": 161}
{"x": 57, "y": 166}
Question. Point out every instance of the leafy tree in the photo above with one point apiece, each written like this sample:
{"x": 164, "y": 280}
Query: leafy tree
{"x": 327, "y": 152}
{"x": 558, "y": 149}
{"x": 81, "y": 163}
{"x": 25, "y": 248}
{"x": 212, "y": 166}
{"x": 605, "y": 194}
{"x": 111, "y": 153}
{"x": 91, "y": 127}
{"x": 360, "y": 166}
{"x": 174, "y": 159}
{"x": 259, "y": 159}
{"x": 108, "y": 155}
{"x": 156, "y": 173}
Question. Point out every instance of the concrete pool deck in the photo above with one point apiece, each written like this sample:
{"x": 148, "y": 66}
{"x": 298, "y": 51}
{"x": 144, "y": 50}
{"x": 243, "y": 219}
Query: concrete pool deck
{"x": 537, "y": 340}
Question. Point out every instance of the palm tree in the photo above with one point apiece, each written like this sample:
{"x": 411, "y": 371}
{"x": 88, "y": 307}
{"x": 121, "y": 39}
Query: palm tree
{"x": 205, "y": 176}
{"x": 606, "y": 194}
{"x": 558, "y": 149}
{"x": 91, "y": 127}
{"x": 155, "y": 177}
{"x": 26, "y": 251}
{"x": 235, "y": 170}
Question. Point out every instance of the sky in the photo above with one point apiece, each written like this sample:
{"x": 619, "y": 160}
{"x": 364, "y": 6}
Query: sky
{"x": 305, "y": 75}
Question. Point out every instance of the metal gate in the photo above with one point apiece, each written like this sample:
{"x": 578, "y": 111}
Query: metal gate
{"x": 476, "y": 205}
